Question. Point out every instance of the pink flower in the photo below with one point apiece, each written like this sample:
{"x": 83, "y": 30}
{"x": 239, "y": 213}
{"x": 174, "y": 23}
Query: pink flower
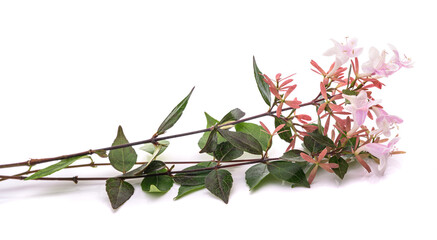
{"x": 359, "y": 106}
{"x": 382, "y": 152}
{"x": 385, "y": 122}
{"x": 378, "y": 66}
{"x": 406, "y": 63}
{"x": 343, "y": 52}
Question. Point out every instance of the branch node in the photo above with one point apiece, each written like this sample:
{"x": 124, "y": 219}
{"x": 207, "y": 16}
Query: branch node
{"x": 75, "y": 180}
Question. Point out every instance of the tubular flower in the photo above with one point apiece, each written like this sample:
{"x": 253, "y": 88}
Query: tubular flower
{"x": 378, "y": 66}
{"x": 343, "y": 52}
{"x": 385, "y": 122}
{"x": 359, "y": 107}
{"x": 381, "y": 151}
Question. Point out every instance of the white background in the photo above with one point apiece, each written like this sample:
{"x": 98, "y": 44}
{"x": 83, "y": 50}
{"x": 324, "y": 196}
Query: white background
{"x": 72, "y": 71}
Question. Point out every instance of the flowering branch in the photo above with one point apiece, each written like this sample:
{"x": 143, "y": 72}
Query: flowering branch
{"x": 350, "y": 126}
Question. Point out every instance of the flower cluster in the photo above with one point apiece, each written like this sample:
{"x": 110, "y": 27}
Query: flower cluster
{"x": 350, "y": 122}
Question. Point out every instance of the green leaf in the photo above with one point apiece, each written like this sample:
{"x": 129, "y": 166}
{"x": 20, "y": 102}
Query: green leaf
{"x": 322, "y": 139}
{"x": 350, "y": 144}
{"x": 292, "y": 155}
{"x": 158, "y": 183}
{"x": 311, "y": 145}
{"x": 210, "y": 121}
{"x": 349, "y": 92}
{"x": 174, "y": 115}
{"x": 285, "y": 133}
{"x": 255, "y": 174}
{"x": 194, "y": 178}
{"x": 122, "y": 159}
{"x": 55, "y": 167}
{"x": 101, "y": 153}
{"x": 206, "y": 143}
{"x": 141, "y": 169}
{"x": 118, "y": 191}
{"x": 154, "y": 166}
{"x": 288, "y": 171}
{"x": 255, "y": 131}
{"x": 342, "y": 166}
{"x": 145, "y": 168}
{"x": 233, "y": 115}
{"x": 219, "y": 183}
{"x": 210, "y": 144}
{"x": 226, "y": 152}
{"x": 184, "y": 190}
{"x": 150, "y": 147}
{"x": 263, "y": 87}
{"x": 242, "y": 141}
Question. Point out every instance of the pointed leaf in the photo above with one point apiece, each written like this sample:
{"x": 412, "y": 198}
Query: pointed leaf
{"x": 211, "y": 142}
{"x": 55, "y": 167}
{"x": 288, "y": 171}
{"x": 342, "y": 166}
{"x": 118, "y": 191}
{"x": 210, "y": 121}
{"x": 194, "y": 178}
{"x": 233, "y": 115}
{"x": 122, "y": 159}
{"x": 322, "y": 139}
{"x": 255, "y": 131}
{"x": 145, "y": 168}
{"x": 242, "y": 141}
{"x": 174, "y": 115}
{"x": 285, "y": 133}
{"x": 226, "y": 152}
{"x": 292, "y": 155}
{"x": 158, "y": 183}
{"x": 185, "y": 190}
{"x": 150, "y": 147}
{"x": 255, "y": 174}
{"x": 263, "y": 87}
{"x": 349, "y": 92}
{"x": 311, "y": 145}
{"x": 219, "y": 183}
{"x": 101, "y": 153}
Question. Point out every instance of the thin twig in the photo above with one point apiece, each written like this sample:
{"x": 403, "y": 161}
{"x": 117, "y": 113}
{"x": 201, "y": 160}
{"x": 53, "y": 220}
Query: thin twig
{"x": 76, "y": 179}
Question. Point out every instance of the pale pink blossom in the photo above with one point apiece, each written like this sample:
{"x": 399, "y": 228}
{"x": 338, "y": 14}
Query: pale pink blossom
{"x": 406, "y": 62}
{"x": 343, "y": 52}
{"x": 378, "y": 66}
{"x": 359, "y": 107}
{"x": 385, "y": 122}
{"x": 381, "y": 151}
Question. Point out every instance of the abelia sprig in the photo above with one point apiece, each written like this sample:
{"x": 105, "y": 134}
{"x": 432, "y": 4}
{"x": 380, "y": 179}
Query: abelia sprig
{"x": 341, "y": 131}
{"x": 282, "y": 85}
{"x": 318, "y": 162}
